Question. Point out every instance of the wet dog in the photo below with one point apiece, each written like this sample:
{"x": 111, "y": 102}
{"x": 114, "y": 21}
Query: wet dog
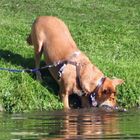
{"x": 72, "y": 69}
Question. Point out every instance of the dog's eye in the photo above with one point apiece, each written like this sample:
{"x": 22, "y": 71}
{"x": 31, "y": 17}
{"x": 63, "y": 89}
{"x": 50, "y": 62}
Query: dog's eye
{"x": 105, "y": 91}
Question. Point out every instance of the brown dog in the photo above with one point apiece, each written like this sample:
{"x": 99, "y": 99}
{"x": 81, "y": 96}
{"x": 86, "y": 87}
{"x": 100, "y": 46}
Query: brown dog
{"x": 71, "y": 68}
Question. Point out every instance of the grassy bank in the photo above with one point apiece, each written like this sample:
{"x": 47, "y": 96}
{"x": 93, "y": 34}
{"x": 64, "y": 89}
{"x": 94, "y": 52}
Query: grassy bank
{"x": 108, "y": 31}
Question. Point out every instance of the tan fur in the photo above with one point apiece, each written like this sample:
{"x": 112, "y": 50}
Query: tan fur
{"x": 51, "y": 36}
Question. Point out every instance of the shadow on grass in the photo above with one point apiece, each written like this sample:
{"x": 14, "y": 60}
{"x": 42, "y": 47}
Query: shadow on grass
{"x": 28, "y": 63}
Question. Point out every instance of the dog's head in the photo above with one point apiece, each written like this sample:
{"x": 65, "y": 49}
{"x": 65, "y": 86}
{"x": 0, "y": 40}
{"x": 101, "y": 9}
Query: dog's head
{"x": 106, "y": 95}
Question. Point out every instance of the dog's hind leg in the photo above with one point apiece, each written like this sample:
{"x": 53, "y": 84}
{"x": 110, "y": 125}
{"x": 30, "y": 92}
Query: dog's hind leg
{"x": 38, "y": 49}
{"x": 33, "y": 39}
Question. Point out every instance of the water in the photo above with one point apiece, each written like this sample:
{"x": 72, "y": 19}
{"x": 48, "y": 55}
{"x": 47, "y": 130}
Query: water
{"x": 80, "y": 124}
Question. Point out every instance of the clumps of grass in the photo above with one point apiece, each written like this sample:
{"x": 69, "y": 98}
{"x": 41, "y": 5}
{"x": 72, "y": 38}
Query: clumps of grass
{"x": 22, "y": 93}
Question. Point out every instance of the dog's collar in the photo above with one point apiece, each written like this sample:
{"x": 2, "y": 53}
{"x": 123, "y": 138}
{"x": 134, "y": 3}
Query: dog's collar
{"x": 94, "y": 93}
{"x": 99, "y": 84}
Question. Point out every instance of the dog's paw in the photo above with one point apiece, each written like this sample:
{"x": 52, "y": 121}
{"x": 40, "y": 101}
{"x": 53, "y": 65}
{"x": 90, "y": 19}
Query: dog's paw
{"x": 39, "y": 77}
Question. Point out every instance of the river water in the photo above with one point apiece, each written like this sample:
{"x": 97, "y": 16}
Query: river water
{"x": 77, "y": 124}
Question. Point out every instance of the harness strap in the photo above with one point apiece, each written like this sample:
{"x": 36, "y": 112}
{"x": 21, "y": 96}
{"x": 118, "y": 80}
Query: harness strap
{"x": 77, "y": 73}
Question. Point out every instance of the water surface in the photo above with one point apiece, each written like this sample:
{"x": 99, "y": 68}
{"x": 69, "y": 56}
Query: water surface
{"x": 78, "y": 124}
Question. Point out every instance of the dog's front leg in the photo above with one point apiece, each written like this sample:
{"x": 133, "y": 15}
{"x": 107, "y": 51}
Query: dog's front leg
{"x": 65, "y": 100}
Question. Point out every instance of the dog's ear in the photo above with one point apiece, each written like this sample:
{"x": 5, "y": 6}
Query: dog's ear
{"x": 117, "y": 82}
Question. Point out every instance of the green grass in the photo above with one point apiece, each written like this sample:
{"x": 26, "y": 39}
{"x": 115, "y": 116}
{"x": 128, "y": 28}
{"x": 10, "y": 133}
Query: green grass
{"x": 108, "y": 31}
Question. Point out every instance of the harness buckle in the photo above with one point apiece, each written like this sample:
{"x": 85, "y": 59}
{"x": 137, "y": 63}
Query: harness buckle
{"x": 93, "y": 100}
{"x": 61, "y": 71}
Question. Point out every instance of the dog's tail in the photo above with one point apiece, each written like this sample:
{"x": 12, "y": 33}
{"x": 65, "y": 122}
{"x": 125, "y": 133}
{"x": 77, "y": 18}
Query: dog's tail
{"x": 29, "y": 40}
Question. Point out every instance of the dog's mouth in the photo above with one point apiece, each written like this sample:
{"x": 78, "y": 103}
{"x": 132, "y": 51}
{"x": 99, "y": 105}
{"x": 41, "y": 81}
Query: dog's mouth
{"x": 105, "y": 104}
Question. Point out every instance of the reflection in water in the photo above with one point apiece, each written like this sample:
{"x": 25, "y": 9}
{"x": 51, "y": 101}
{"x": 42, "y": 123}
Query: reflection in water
{"x": 77, "y": 124}
{"x": 82, "y": 124}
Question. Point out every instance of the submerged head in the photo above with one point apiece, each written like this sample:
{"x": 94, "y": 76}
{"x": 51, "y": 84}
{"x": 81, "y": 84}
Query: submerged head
{"x": 106, "y": 95}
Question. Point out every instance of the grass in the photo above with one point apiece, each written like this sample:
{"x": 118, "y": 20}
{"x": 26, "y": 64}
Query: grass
{"x": 108, "y": 31}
